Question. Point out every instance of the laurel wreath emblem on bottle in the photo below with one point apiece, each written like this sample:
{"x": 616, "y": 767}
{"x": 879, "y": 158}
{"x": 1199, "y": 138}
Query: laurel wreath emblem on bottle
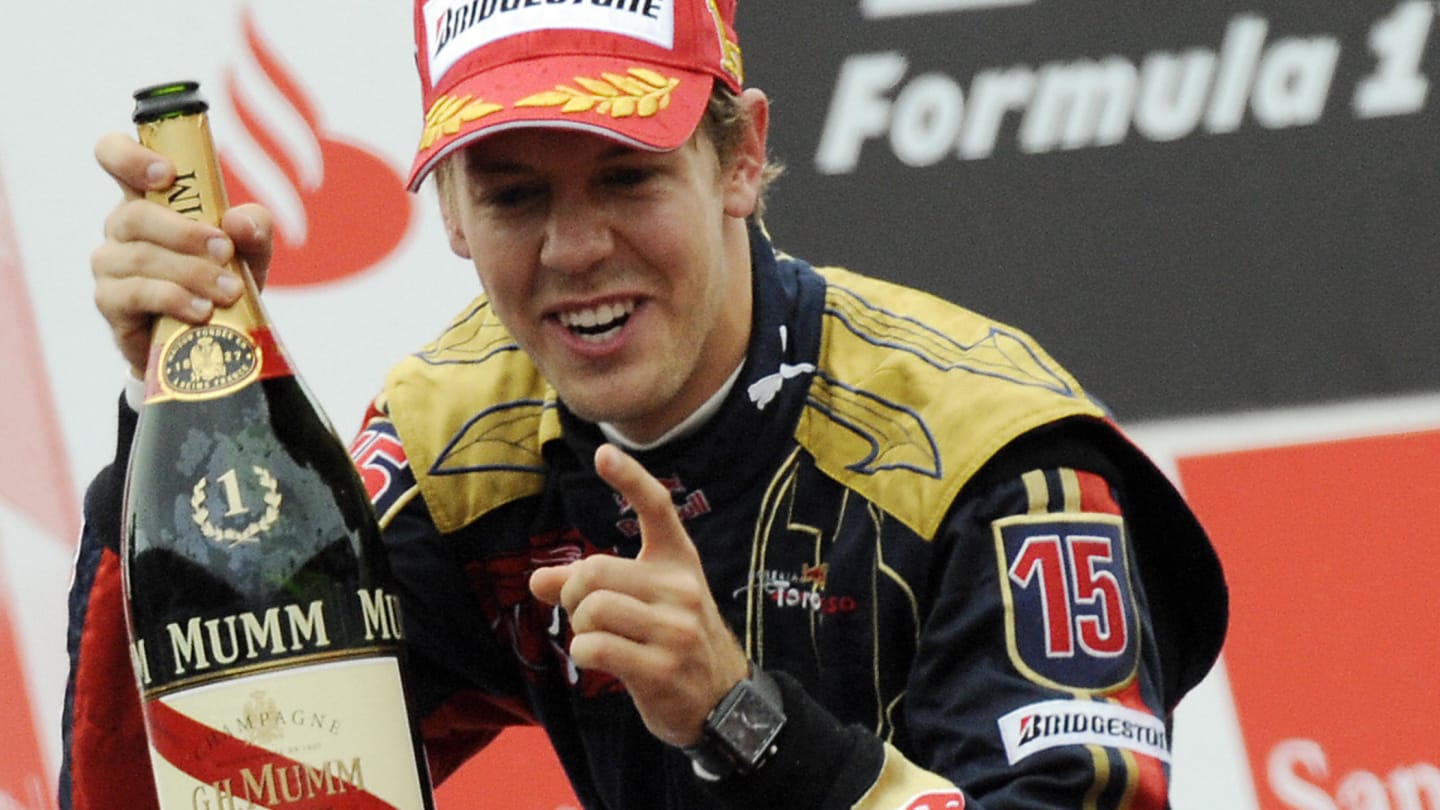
{"x": 200, "y": 513}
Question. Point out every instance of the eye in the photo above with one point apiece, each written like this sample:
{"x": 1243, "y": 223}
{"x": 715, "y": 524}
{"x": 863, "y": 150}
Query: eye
{"x": 629, "y": 176}
{"x": 511, "y": 196}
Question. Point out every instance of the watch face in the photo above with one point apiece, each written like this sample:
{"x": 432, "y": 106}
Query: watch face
{"x": 749, "y": 727}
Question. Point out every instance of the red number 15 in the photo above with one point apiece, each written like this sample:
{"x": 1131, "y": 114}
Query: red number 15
{"x": 1079, "y": 590}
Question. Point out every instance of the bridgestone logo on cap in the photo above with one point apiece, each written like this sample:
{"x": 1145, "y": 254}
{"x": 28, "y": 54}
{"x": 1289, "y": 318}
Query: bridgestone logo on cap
{"x": 456, "y": 28}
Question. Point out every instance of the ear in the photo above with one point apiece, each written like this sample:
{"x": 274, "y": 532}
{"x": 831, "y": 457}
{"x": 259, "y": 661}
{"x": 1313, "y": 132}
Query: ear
{"x": 450, "y": 209}
{"x": 745, "y": 176}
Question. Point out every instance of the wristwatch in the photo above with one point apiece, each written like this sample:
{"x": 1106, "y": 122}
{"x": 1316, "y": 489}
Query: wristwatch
{"x": 739, "y": 733}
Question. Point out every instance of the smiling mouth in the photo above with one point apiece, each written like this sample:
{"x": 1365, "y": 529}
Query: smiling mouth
{"x": 599, "y": 323}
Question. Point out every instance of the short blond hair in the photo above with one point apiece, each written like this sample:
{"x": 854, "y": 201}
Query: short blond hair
{"x": 725, "y": 123}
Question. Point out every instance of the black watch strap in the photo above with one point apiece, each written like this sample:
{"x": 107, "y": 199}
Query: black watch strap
{"x": 740, "y": 732}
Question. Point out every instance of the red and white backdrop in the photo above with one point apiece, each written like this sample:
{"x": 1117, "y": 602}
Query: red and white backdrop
{"x": 1223, "y": 218}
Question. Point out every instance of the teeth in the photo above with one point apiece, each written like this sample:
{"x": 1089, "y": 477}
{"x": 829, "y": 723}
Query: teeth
{"x": 602, "y": 317}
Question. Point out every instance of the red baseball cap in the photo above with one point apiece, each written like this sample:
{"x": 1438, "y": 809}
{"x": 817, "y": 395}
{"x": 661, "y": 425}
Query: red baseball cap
{"x": 636, "y": 71}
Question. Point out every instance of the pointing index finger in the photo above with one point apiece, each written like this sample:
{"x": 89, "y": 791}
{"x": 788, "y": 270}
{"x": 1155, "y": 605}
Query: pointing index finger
{"x": 661, "y": 532}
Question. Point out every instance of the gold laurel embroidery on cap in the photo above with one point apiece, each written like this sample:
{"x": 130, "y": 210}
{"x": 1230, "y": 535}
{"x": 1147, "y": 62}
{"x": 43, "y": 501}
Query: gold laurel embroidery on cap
{"x": 449, "y": 113}
{"x": 644, "y": 93}
{"x": 731, "y": 60}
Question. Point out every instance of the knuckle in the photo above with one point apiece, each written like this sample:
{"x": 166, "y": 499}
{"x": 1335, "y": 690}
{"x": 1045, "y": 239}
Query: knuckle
{"x": 100, "y": 259}
{"x": 589, "y": 573}
{"x": 671, "y": 671}
{"x": 683, "y": 632}
{"x": 101, "y": 301}
{"x": 122, "y": 225}
{"x": 118, "y": 260}
{"x": 134, "y": 298}
{"x": 582, "y": 616}
{"x": 588, "y": 651}
{"x": 170, "y": 298}
{"x": 694, "y": 601}
{"x": 114, "y": 226}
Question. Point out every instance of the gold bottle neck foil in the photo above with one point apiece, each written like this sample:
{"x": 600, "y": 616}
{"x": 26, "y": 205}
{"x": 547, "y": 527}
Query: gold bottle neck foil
{"x": 235, "y": 347}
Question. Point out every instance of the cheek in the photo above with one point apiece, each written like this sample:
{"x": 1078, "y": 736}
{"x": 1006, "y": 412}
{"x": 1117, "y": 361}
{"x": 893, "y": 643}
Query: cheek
{"x": 510, "y": 289}
{"x": 498, "y": 285}
{"x": 503, "y": 264}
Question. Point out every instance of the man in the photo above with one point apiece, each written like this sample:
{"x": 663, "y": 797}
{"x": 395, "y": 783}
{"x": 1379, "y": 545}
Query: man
{"x": 735, "y": 531}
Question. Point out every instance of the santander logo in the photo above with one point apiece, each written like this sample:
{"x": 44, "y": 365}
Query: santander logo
{"x": 339, "y": 208}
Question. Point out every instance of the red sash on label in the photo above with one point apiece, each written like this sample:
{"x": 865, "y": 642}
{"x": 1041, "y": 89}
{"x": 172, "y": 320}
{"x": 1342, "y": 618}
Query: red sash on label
{"x": 211, "y": 756}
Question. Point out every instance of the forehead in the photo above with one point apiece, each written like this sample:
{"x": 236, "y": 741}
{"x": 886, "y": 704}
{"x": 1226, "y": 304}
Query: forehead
{"x": 540, "y": 147}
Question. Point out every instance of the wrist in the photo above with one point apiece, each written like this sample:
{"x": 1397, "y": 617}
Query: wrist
{"x": 739, "y": 735}
{"x": 135, "y": 390}
{"x": 817, "y": 761}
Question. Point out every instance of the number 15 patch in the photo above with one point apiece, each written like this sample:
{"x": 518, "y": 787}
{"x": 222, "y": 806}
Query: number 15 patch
{"x": 1070, "y": 618}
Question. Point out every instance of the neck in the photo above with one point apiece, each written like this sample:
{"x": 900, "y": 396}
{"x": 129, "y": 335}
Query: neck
{"x": 687, "y": 426}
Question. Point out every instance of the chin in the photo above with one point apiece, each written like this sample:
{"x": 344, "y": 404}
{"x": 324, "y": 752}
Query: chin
{"x": 618, "y": 397}
{"x": 600, "y": 406}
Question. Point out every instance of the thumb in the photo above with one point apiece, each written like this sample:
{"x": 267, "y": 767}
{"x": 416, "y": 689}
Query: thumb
{"x": 662, "y": 537}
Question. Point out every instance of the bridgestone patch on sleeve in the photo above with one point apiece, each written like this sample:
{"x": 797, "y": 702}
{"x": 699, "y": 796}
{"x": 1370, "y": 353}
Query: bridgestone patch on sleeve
{"x": 1053, "y": 723}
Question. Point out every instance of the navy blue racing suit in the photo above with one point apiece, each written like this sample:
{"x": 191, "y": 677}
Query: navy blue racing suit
{"x": 973, "y": 590}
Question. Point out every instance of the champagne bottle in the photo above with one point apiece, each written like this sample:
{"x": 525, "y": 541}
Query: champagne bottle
{"x": 264, "y": 631}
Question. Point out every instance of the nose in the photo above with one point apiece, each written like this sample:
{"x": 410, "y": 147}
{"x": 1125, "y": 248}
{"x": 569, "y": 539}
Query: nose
{"x": 577, "y": 234}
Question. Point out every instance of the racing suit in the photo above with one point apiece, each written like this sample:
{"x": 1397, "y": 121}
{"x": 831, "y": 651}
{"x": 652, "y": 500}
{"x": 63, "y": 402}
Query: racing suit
{"x": 972, "y": 590}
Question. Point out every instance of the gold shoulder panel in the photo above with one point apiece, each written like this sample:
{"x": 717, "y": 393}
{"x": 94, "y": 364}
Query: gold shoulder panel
{"x": 472, "y": 412}
{"x": 904, "y": 409}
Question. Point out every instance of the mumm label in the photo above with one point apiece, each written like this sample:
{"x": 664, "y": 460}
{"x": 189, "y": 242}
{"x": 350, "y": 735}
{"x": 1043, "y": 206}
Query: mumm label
{"x": 196, "y": 645}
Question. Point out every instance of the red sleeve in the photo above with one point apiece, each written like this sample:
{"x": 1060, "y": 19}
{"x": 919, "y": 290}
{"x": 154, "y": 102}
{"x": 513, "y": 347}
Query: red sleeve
{"x": 105, "y": 755}
{"x": 106, "y": 751}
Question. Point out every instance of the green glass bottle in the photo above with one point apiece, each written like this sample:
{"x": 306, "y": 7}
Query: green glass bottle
{"x": 264, "y": 629}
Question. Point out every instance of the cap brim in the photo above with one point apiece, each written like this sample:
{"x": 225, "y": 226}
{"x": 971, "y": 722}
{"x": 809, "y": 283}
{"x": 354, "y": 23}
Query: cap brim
{"x": 644, "y": 105}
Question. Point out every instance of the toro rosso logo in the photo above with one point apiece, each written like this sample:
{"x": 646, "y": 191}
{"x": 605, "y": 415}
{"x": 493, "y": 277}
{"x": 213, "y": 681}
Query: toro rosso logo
{"x": 805, "y": 589}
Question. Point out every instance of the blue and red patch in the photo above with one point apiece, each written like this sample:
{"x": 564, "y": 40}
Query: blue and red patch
{"x": 1070, "y": 614}
{"x": 381, "y": 461}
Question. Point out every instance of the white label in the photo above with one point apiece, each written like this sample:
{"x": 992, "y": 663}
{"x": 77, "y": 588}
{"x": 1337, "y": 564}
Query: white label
{"x": 454, "y": 28}
{"x": 311, "y": 733}
{"x": 1053, "y": 723}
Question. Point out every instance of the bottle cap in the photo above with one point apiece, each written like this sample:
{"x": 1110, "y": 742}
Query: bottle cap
{"x": 168, "y": 101}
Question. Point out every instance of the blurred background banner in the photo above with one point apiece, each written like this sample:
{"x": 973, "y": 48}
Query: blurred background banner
{"x": 1198, "y": 207}
{"x": 1221, "y": 216}
{"x": 38, "y": 521}
{"x": 1326, "y": 694}
{"x": 1332, "y": 569}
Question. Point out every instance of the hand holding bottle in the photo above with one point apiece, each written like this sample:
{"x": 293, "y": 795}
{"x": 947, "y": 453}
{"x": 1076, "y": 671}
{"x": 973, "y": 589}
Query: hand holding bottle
{"x": 155, "y": 261}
